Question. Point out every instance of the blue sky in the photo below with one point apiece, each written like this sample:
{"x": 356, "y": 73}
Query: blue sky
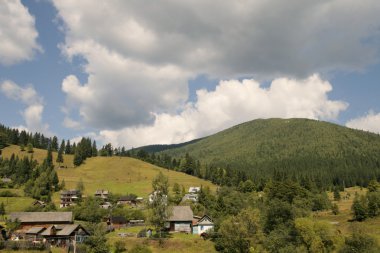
{"x": 131, "y": 74}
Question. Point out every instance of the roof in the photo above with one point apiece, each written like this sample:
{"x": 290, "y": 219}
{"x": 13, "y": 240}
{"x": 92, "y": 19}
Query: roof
{"x": 118, "y": 219}
{"x": 39, "y": 217}
{"x": 34, "y": 230}
{"x": 205, "y": 220}
{"x": 70, "y": 192}
{"x": 181, "y": 213}
{"x": 194, "y": 189}
{"x": 126, "y": 198}
{"x": 65, "y": 230}
{"x": 101, "y": 192}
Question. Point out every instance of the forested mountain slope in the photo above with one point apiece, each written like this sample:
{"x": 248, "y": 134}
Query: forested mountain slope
{"x": 298, "y": 148}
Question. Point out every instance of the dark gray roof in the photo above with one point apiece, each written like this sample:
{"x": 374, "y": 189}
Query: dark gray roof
{"x": 181, "y": 213}
{"x": 40, "y": 217}
{"x": 65, "y": 230}
{"x": 34, "y": 230}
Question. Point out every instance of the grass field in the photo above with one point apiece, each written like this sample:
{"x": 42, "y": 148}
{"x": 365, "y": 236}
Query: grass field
{"x": 342, "y": 221}
{"x": 182, "y": 243}
{"x": 122, "y": 175}
{"x": 38, "y": 154}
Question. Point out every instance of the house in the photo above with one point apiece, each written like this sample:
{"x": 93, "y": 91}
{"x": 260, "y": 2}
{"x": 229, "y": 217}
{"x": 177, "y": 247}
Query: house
{"x": 41, "y": 219}
{"x": 127, "y": 200}
{"x": 106, "y": 205}
{"x": 39, "y": 203}
{"x": 65, "y": 233}
{"x": 154, "y": 194}
{"x": 191, "y": 197}
{"x": 103, "y": 194}
{"x": 68, "y": 198}
{"x": 202, "y": 225}
{"x": 117, "y": 222}
{"x": 194, "y": 189}
{"x": 34, "y": 233}
{"x": 181, "y": 219}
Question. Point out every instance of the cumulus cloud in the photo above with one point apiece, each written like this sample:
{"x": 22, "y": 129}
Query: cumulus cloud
{"x": 139, "y": 57}
{"x": 369, "y": 122}
{"x": 17, "y": 33}
{"x": 33, "y": 112}
{"x": 231, "y": 103}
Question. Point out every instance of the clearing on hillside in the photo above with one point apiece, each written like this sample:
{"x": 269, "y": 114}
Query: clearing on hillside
{"x": 38, "y": 154}
{"x": 123, "y": 175}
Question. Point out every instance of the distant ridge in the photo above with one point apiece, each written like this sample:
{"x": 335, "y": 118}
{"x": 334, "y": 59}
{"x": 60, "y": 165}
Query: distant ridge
{"x": 161, "y": 147}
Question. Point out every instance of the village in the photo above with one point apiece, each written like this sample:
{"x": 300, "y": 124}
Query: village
{"x": 60, "y": 229}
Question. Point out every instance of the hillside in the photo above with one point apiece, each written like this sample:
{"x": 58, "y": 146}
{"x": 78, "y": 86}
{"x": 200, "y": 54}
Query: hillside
{"x": 38, "y": 154}
{"x": 122, "y": 175}
{"x": 299, "y": 147}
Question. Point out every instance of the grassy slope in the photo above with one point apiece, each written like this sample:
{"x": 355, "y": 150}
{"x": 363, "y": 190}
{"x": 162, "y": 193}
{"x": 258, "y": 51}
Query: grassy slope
{"x": 279, "y": 142}
{"x": 38, "y": 154}
{"x": 122, "y": 175}
{"x": 343, "y": 222}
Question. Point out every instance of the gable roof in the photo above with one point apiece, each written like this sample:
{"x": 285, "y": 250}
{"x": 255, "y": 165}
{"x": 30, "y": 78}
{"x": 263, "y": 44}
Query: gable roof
{"x": 65, "y": 230}
{"x": 205, "y": 220}
{"x": 40, "y": 217}
{"x": 181, "y": 213}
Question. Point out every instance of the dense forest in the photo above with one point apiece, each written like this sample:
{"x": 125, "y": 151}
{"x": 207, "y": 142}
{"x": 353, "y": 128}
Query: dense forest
{"x": 306, "y": 151}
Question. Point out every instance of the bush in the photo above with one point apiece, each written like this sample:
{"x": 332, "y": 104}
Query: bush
{"x": 360, "y": 242}
{"x": 8, "y": 194}
{"x": 120, "y": 246}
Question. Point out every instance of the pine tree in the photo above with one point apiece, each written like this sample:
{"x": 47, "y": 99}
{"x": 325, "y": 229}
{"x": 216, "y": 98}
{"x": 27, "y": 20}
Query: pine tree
{"x": 30, "y": 148}
{"x": 60, "y": 153}
{"x": 54, "y": 143}
{"x": 94, "y": 149}
{"x": 49, "y": 157}
{"x": 68, "y": 148}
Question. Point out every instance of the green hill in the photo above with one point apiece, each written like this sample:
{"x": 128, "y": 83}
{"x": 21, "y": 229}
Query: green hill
{"x": 298, "y": 148}
{"x": 123, "y": 175}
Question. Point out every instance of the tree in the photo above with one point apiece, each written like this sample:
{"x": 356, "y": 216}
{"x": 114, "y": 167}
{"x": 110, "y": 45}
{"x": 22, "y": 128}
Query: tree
{"x": 94, "y": 149}
{"x": 30, "y": 148}
{"x": 373, "y": 186}
{"x": 49, "y": 157}
{"x": 359, "y": 208}
{"x": 54, "y": 143}
{"x": 159, "y": 208}
{"x": 2, "y": 209}
{"x": 336, "y": 194}
{"x": 78, "y": 159}
{"x": 359, "y": 241}
{"x": 60, "y": 152}
{"x": 68, "y": 147}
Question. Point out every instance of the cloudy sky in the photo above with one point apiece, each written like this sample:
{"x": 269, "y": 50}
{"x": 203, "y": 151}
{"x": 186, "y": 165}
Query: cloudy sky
{"x": 142, "y": 72}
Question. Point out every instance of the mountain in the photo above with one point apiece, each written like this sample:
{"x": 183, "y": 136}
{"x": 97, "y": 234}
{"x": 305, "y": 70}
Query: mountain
{"x": 299, "y": 148}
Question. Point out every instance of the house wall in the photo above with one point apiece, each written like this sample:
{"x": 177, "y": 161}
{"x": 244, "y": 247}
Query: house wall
{"x": 204, "y": 228}
{"x": 182, "y": 227}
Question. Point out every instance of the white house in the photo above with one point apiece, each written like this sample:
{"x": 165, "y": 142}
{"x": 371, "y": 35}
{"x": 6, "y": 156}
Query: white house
{"x": 203, "y": 225}
{"x": 194, "y": 189}
{"x": 190, "y": 196}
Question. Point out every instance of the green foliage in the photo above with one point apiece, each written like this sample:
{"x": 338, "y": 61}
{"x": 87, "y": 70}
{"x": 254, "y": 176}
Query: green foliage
{"x": 317, "y": 236}
{"x": 140, "y": 248}
{"x": 360, "y": 241}
{"x": 2, "y": 209}
{"x": 335, "y": 209}
{"x": 120, "y": 246}
{"x": 307, "y": 150}
{"x": 336, "y": 194}
{"x": 80, "y": 186}
{"x": 359, "y": 208}
{"x": 97, "y": 242}
{"x": 89, "y": 210}
{"x": 30, "y": 148}
{"x": 158, "y": 205}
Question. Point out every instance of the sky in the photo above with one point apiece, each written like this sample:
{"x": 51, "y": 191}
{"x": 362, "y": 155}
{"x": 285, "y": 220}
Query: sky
{"x": 134, "y": 73}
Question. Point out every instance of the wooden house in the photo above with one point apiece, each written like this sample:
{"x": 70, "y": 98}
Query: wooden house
{"x": 41, "y": 219}
{"x": 117, "y": 222}
{"x": 69, "y": 198}
{"x": 181, "y": 219}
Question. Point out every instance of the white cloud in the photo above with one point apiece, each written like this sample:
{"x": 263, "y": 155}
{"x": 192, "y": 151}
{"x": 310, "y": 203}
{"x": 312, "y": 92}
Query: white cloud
{"x": 33, "y": 112}
{"x": 139, "y": 57}
{"x": 17, "y": 33}
{"x": 231, "y": 103}
{"x": 369, "y": 122}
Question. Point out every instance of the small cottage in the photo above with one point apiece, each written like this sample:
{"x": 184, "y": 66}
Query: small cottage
{"x": 117, "y": 222}
{"x": 103, "y": 194}
{"x": 41, "y": 219}
{"x": 202, "y": 225}
{"x": 181, "y": 219}
{"x": 194, "y": 189}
